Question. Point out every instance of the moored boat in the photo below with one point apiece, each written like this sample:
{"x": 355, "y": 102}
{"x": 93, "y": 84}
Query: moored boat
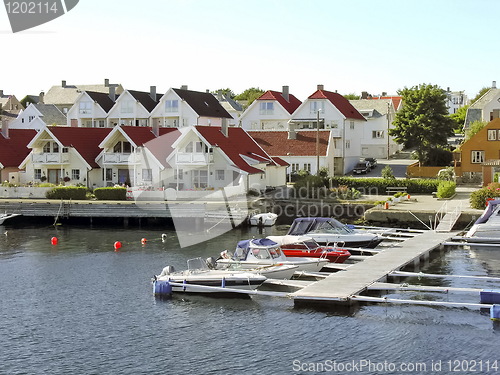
{"x": 488, "y": 224}
{"x": 304, "y": 246}
{"x": 263, "y": 219}
{"x": 4, "y": 217}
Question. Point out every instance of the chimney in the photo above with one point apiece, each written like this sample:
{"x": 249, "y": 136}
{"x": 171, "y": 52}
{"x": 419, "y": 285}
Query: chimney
{"x": 285, "y": 92}
{"x": 112, "y": 93}
{"x": 292, "y": 134}
{"x": 321, "y": 87}
{"x": 364, "y": 94}
{"x": 63, "y": 84}
{"x": 384, "y": 93}
{"x": 219, "y": 96}
{"x": 41, "y": 98}
{"x": 184, "y": 87}
{"x": 106, "y": 82}
{"x": 494, "y": 85}
{"x": 152, "y": 92}
{"x": 225, "y": 128}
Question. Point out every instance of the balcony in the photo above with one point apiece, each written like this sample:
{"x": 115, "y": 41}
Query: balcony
{"x": 192, "y": 158}
{"x": 120, "y": 158}
{"x": 50, "y": 158}
{"x": 336, "y": 133}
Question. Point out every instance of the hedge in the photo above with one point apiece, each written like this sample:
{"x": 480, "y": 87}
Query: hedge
{"x": 446, "y": 189}
{"x": 67, "y": 192}
{"x": 111, "y": 194}
{"x": 478, "y": 198}
{"x": 378, "y": 186}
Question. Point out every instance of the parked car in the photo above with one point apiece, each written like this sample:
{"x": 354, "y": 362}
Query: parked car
{"x": 372, "y": 161}
{"x": 361, "y": 167}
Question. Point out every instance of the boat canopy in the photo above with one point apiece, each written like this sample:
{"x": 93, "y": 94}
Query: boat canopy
{"x": 260, "y": 248}
{"x": 305, "y": 225}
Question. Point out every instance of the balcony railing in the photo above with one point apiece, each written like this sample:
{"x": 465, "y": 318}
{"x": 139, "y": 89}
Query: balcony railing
{"x": 120, "y": 158}
{"x": 336, "y": 133}
{"x": 50, "y": 158}
{"x": 193, "y": 158}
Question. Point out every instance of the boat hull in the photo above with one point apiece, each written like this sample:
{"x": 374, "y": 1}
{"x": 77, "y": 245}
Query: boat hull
{"x": 332, "y": 256}
{"x": 303, "y": 265}
{"x": 190, "y": 283}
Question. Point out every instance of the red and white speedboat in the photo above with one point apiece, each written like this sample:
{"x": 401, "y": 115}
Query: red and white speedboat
{"x": 303, "y": 246}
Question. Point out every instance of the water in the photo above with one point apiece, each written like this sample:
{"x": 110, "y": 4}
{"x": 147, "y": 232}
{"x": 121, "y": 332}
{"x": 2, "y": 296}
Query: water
{"x": 82, "y": 308}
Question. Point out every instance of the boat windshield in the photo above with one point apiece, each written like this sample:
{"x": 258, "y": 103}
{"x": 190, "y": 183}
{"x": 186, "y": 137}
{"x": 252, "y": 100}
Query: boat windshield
{"x": 197, "y": 264}
{"x": 240, "y": 253}
{"x": 331, "y": 227}
{"x": 303, "y": 226}
{"x": 266, "y": 253}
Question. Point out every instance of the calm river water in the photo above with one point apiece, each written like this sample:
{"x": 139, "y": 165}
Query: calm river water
{"x": 81, "y": 308}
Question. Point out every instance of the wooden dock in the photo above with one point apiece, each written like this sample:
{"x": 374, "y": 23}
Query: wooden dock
{"x": 340, "y": 287}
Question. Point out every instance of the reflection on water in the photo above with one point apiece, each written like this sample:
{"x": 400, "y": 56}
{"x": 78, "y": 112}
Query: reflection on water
{"x": 82, "y": 307}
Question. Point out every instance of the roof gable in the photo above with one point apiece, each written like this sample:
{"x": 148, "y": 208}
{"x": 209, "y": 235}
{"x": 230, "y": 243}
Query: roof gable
{"x": 290, "y": 105}
{"x": 341, "y": 103}
{"x": 145, "y": 99}
{"x": 102, "y": 99}
{"x": 203, "y": 103}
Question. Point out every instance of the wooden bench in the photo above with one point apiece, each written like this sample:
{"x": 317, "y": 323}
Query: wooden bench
{"x": 395, "y": 189}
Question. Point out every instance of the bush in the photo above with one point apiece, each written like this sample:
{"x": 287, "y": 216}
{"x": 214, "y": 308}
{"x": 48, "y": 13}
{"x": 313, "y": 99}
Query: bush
{"x": 478, "y": 197}
{"x": 67, "y": 192}
{"x": 378, "y": 186}
{"x": 111, "y": 194}
{"x": 311, "y": 186}
{"x": 387, "y": 172}
{"x": 446, "y": 189}
{"x": 446, "y": 174}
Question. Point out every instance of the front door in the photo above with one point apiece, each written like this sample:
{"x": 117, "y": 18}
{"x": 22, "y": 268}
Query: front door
{"x": 124, "y": 177}
{"x": 54, "y": 176}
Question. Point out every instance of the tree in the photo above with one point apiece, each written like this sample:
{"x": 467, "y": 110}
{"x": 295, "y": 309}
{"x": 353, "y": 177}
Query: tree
{"x": 474, "y": 128}
{"x": 423, "y": 122}
{"x": 459, "y": 119}
{"x": 249, "y": 95}
{"x": 481, "y": 92}
{"x": 226, "y": 91}
{"x": 351, "y": 96}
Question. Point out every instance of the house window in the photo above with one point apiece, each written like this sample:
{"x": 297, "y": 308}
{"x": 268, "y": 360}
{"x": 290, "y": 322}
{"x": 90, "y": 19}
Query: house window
{"x": 377, "y": 134}
{"x": 75, "y": 174}
{"x": 220, "y": 175}
{"x": 266, "y": 108}
{"x": 65, "y": 150}
{"x": 147, "y": 175}
{"x": 85, "y": 108}
{"x": 122, "y": 147}
{"x": 46, "y": 148}
{"x": 189, "y": 147}
{"x": 109, "y": 174}
{"x": 200, "y": 178}
{"x": 171, "y": 106}
{"x": 179, "y": 174}
{"x": 492, "y": 135}
{"x": 352, "y": 124}
{"x": 31, "y": 118}
{"x": 477, "y": 157}
{"x": 99, "y": 124}
{"x": 348, "y": 144}
{"x": 315, "y": 106}
{"x": 307, "y": 167}
{"x": 38, "y": 174}
{"x": 295, "y": 167}
{"x": 199, "y": 147}
{"x": 127, "y": 106}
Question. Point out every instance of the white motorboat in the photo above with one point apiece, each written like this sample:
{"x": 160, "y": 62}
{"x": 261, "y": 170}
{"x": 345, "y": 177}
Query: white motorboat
{"x": 329, "y": 231}
{"x": 264, "y": 219}
{"x": 488, "y": 224}
{"x": 199, "y": 274}
{"x": 261, "y": 252}
{"x": 4, "y": 217}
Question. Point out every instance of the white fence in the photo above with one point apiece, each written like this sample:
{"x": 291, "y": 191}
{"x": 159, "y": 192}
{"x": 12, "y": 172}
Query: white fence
{"x": 24, "y": 192}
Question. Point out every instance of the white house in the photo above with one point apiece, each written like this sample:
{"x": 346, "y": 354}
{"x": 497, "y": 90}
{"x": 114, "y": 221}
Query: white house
{"x": 232, "y": 107}
{"x": 379, "y": 114}
{"x": 486, "y": 108}
{"x": 133, "y": 108}
{"x": 271, "y": 111}
{"x": 346, "y": 124}
{"x": 37, "y": 116}
{"x": 209, "y": 157}
{"x": 455, "y": 100}
{"x": 91, "y": 109}
{"x": 65, "y": 154}
{"x": 182, "y": 107}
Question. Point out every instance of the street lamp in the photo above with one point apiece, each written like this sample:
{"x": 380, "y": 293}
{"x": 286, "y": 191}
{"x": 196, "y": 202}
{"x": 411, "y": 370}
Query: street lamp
{"x": 317, "y": 141}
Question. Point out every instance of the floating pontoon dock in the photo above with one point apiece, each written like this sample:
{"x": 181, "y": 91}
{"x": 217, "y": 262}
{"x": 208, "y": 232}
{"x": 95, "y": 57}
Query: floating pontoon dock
{"x": 342, "y": 287}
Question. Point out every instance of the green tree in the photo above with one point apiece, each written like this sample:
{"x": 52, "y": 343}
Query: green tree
{"x": 423, "y": 122}
{"x": 249, "y": 95}
{"x": 474, "y": 128}
{"x": 226, "y": 91}
{"x": 481, "y": 92}
{"x": 351, "y": 96}
{"x": 387, "y": 172}
{"x": 459, "y": 119}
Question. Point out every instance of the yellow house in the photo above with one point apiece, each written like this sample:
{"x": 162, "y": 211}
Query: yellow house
{"x": 480, "y": 155}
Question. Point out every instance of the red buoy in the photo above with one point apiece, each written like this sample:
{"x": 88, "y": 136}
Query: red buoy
{"x": 143, "y": 241}
{"x": 54, "y": 240}
{"x": 118, "y": 245}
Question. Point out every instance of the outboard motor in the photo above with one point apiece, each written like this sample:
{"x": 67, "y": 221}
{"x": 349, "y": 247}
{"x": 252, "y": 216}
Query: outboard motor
{"x": 211, "y": 263}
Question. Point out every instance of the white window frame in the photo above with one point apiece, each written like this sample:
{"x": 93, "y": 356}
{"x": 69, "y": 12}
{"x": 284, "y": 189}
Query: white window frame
{"x": 179, "y": 174}
{"x": 75, "y": 174}
{"x": 347, "y": 144}
{"x": 85, "y": 107}
{"x": 220, "y": 175}
{"x": 307, "y": 167}
{"x": 147, "y": 174}
{"x": 477, "y": 157}
{"x": 266, "y": 108}
{"x": 352, "y": 124}
{"x": 492, "y": 134}
{"x": 37, "y": 174}
{"x": 171, "y": 106}
{"x": 377, "y": 134}
{"x": 127, "y": 106}
{"x": 316, "y": 105}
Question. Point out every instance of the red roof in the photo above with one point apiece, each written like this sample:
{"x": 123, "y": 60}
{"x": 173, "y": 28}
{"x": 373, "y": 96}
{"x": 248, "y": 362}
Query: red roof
{"x": 13, "y": 150}
{"x": 238, "y": 144}
{"x": 142, "y": 134}
{"x": 276, "y": 143}
{"x": 280, "y": 161}
{"x": 341, "y": 103}
{"x": 84, "y": 140}
{"x": 396, "y": 100}
{"x": 290, "y": 105}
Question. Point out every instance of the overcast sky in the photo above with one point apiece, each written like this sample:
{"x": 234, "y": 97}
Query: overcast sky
{"x": 348, "y": 46}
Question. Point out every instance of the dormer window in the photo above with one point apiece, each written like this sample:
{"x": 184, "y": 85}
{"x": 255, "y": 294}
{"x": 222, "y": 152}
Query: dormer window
{"x": 315, "y": 106}
{"x": 50, "y": 147}
{"x": 266, "y": 108}
{"x": 122, "y": 147}
{"x": 171, "y": 106}
{"x": 85, "y": 108}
